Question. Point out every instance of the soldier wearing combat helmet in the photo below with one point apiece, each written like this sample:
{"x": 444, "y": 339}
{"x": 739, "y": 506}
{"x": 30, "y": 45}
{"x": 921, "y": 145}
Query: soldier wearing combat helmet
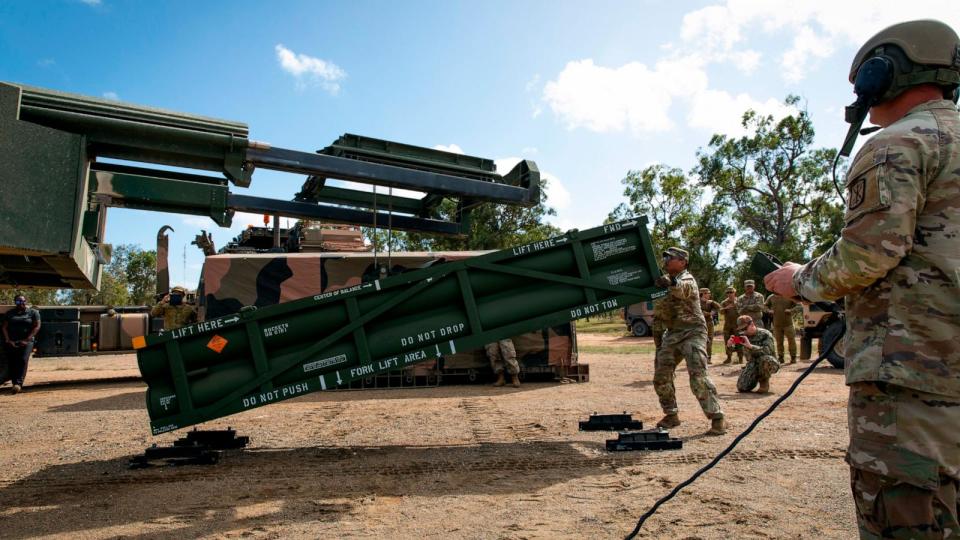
{"x": 896, "y": 264}
{"x": 175, "y": 313}
{"x": 685, "y": 338}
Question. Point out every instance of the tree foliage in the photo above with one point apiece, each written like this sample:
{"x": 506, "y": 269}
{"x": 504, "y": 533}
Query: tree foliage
{"x": 773, "y": 181}
{"x": 769, "y": 190}
{"x": 678, "y": 216}
{"x": 129, "y": 279}
{"x": 492, "y": 226}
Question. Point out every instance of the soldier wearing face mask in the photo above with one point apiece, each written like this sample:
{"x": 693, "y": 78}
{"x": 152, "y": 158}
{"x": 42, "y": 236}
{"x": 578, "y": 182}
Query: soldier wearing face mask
{"x": 175, "y": 312}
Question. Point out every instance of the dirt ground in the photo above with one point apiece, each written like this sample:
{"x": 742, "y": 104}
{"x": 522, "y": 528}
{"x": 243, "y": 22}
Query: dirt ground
{"x": 446, "y": 462}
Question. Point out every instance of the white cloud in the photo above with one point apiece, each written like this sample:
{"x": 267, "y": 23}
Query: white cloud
{"x": 306, "y": 69}
{"x": 111, "y": 96}
{"x": 449, "y": 148}
{"x": 818, "y": 27}
{"x": 719, "y": 112}
{"x": 632, "y": 96}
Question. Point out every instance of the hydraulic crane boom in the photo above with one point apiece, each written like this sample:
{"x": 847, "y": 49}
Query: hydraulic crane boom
{"x": 56, "y": 188}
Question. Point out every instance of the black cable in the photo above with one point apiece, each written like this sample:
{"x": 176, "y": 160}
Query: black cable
{"x": 738, "y": 438}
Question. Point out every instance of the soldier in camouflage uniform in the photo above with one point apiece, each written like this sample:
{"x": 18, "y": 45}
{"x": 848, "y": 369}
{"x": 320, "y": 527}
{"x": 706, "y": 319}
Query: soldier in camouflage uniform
{"x": 500, "y": 353}
{"x": 751, "y": 303}
{"x": 781, "y": 311}
{"x": 758, "y": 346}
{"x": 175, "y": 313}
{"x": 897, "y": 264}
{"x": 685, "y": 338}
{"x": 728, "y": 308}
{"x": 708, "y": 307}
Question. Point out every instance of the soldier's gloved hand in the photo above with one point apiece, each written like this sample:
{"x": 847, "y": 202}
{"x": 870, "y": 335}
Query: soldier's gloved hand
{"x": 665, "y": 281}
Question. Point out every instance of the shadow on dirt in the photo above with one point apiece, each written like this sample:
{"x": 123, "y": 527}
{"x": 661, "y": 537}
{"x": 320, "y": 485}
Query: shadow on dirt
{"x": 276, "y": 487}
{"x": 128, "y": 401}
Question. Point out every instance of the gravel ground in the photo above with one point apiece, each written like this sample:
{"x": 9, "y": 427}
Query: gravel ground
{"x": 447, "y": 462}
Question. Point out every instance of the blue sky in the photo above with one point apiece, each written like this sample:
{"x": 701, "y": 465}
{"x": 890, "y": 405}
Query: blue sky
{"x": 587, "y": 90}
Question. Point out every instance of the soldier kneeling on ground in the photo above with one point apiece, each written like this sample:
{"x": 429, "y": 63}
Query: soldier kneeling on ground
{"x": 759, "y": 348}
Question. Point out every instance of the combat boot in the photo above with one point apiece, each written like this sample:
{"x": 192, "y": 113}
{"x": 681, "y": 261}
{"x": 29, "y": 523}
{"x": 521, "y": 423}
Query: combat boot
{"x": 718, "y": 426}
{"x": 728, "y": 360}
{"x": 515, "y": 380}
{"x": 793, "y": 359}
{"x": 764, "y": 387}
{"x": 15, "y": 389}
{"x": 500, "y": 380}
{"x": 671, "y": 420}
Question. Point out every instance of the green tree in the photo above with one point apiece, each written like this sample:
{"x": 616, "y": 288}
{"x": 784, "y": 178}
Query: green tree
{"x": 140, "y": 274}
{"x": 129, "y": 279}
{"x": 35, "y": 296}
{"x": 774, "y": 181}
{"x": 673, "y": 204}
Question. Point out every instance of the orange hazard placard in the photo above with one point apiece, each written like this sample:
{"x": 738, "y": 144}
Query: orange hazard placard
{"x": 216, "y": 344}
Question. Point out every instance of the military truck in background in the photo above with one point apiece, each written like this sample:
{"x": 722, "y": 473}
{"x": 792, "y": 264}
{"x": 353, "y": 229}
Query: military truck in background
{"x": 823, "y": 325}
{"x": 639, "y": 319}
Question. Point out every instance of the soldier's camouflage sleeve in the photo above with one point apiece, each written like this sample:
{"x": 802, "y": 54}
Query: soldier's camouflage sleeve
{"x": 685, "y": 288}
{"x": 764, "y": 345}
{"x": 881, "y": 218}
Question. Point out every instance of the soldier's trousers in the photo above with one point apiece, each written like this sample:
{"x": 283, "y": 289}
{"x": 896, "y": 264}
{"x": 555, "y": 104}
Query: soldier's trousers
{"x": 788, "y": 331}
{"x": 500, "y": 353}
{"x": 727, "y": 332}
{"x": 709, "y": 336}
{"x": 756, "y": 370}
{"x": 689, "y": 344}
{"x": 904, "y": 463}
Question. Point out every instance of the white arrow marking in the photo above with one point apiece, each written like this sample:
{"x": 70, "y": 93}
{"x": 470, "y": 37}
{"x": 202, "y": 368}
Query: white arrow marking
{"x": 339, "y": 380}
{"x": 231, "y": 320}
{"x": 438, "y": 351}
{"x": 453, "y": 349}
{"x": 377, "y": 283}
{"x": 323, "y": 383}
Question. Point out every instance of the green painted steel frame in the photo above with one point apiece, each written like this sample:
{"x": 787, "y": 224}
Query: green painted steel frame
{"x": 259, "y": 391}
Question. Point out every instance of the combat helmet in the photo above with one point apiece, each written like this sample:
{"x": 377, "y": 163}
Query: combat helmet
{"x": 178, "y": 290}
{"x": 907, "y": 54}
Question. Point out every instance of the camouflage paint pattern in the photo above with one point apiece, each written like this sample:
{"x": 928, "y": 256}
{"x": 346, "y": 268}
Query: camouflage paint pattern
{"x": 904, "y": 458}
{"x": 761, "y": 361}
{"x": 685, "y": 338}
{"x": 781, "y": 311}
{"x": 751, "y": 304}
{"x": 897, "y": 261}
{"x": 502, "y": 353}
